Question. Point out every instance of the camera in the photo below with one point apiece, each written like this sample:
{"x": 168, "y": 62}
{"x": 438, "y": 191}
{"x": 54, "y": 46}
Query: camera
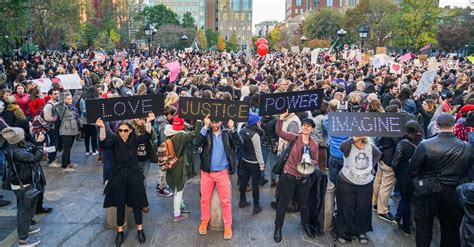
{"x": 342, "y": 106}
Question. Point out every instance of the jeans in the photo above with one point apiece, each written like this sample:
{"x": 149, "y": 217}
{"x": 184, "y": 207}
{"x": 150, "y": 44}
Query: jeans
{"x": 404, "y": 211}
{"x": 221, "y": 181}
{"x": 90, "y": 137}
{"x": 68, "y": 141}
{"x": 335, "y": 165}
{"x": 24, "y": 214}
{"x": 144, "y": 167}
{"x": 248, "y": 171}
{"x": 270, "y": 159}
{"x": 53, "y": 141}
{"x": 287, "y": 187}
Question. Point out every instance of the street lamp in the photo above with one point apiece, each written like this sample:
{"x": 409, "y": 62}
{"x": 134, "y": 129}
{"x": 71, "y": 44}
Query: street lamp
{"x": 303, "y": 40}
{"x": 184, "y": 38}
{"x": 340, "y": 34}
{"x": 149, "y": 29}
{"x": 363, "y": 31}
{"x": 7, "y": 44}
{"x": 466, "y": 47}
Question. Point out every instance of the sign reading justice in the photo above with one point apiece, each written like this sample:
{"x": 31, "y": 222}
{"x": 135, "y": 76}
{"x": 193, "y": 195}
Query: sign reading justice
{"x": 197, "y": 108}
{"x": 124, "y": 107}
{"x": 365, "y": 124}
{"x": 271, "y": 104}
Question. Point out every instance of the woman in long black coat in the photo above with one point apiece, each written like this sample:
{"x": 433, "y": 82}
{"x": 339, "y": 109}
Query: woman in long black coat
{"x": 125, "y": 186}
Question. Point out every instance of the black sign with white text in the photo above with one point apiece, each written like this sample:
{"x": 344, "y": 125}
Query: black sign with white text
{"x": 198, "y": 108}
{"x": 365, "y": 124}
{"x": 271, "y": 104}
{"x": 124, "y": 107}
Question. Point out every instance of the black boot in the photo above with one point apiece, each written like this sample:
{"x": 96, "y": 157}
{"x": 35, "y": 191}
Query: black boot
{"x": 309, "y": 230}
{"x": 141, "y": 236}
{"x": 119, "y": 239}
{"x": 277, "y": 234}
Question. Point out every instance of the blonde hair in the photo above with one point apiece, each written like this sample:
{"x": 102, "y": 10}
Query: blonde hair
{"x": 171, "y": 98}
{"x": 141, "y": 89}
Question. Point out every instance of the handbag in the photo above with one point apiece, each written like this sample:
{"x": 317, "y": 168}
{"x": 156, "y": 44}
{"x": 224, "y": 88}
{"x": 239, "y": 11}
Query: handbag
{"x": 31, "y": 193}
{"x": 426, "y": 186}
{"x": 283, "y": 157}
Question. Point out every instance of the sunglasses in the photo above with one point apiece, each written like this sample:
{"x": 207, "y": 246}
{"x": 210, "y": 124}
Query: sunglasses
{"x": 124, "y": 130}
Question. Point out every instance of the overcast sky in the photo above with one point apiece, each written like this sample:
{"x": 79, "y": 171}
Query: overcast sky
{"x": 264, "y": 10}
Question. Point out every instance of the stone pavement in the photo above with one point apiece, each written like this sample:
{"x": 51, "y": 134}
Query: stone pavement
{"x": 78, "y": 218}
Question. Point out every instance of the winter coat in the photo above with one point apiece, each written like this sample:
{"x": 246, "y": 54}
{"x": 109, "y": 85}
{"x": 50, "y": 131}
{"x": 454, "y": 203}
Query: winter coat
{"x": 401, "y": 166}
{"x": 15, "y": 108}
{"x": 35, "y": 106}
{"x": 26, "y": 158}
{"x": 465, "y": 194}
{"x": 22, "y": 101}
{"x": 125, "y": 186}
{"x": 68, "y": 117}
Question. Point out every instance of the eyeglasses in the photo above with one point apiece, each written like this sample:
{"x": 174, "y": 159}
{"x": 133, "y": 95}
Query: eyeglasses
{"x": 124, "y": 130}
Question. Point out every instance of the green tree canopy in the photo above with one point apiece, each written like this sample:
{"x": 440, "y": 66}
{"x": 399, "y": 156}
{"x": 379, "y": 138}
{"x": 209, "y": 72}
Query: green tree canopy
{"x": 188, "y": 20}
{"x": 233, "y": 43}
{"x": 201, "y": 39}
{"x": 159, "y": 15}
{"x": 211, "y": 37}
{"x": 456, "y": 29}
{"x": 322, "y": 24}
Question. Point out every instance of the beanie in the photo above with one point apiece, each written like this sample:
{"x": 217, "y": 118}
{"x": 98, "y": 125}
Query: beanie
{"x": 253, "y": 119}
{"x": 13, "y": 135}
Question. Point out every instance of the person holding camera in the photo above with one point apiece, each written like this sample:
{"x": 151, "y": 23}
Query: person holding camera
{"x": 24, "y": 158}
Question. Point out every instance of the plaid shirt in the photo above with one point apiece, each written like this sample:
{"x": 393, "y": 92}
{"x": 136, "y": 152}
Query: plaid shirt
{"x": 461, "y": 130}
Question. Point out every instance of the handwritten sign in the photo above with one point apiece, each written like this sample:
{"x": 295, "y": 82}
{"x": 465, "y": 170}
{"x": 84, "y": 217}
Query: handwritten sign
{"x": 396, "y": 68}
{"x": 271, "y": 104}
{"x": 124, "y": 107}
{"x": 306, "y": 50}
{"x": 425, "y": 82}
{"x": 433, "y": 64}
{"x": 197, "y": 108}
{"x": 314, "y": 55}
{"x": 44, "y": 84}
{"x": 70, "y": 81}
{"x": 295, "y": 49}
{"x": 174, "y": 70}
{"x": 381, "y": 50}
{"x": 365, "y": 124}
{"x": 379, "y": 60}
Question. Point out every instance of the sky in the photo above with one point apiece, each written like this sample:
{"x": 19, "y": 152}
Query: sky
{"x": 264, "y": 10}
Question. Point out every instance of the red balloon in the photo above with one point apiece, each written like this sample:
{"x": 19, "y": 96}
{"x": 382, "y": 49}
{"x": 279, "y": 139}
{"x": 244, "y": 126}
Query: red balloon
{"x": 261, "y": 41}
{"x": 262, "y": 50}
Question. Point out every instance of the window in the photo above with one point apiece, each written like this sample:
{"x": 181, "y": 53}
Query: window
{"x": 299, "y": 2}
{"x": 235, "y": 4}
{"x": 246, "y": 5}
{"x": 329, "y": 3}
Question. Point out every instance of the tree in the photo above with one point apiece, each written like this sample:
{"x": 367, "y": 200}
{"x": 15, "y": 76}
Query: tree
{"x": 14, "y": 23}
{"x": 211, "y": 37}
{"x": 201, "y": 39}
{"x": 220, "y": 43}
{"x": 456, "y": 29}
{"x": 159, "y": 15}
{"x": 274, "y": 38}
{"x": 233, "y": 43}
{"x": 416, "y": 23}
{"x": 319, "y": 43}
{"x": 104, "y": 41}
{"x": 322, "y": 24}
{"x": 170, "y": 36}
{"x": 188, "y": 20}
{"x": 89, "y": 33}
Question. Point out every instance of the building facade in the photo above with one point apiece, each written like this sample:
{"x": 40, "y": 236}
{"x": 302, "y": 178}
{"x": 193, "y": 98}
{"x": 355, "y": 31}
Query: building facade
{"x": 263, "y": 28}
{"x": 180, "y": 7}
{"x": 297, "y": 7}
{"x": 230, "y": 16}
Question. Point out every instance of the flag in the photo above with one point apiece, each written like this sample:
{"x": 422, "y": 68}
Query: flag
{"x": 428, "y": 46}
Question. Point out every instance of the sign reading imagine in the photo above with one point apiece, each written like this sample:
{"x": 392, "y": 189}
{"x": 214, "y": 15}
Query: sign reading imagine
{"x": 124, "y": 107}
{"x": 271, "y": 104}
{"x": 365, "y": 124}
{"x": 197, "y": 108}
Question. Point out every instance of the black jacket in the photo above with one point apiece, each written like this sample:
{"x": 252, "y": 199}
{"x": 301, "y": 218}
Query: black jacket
{"x": 387, "y": 146}
{"x": 231, "y": 140}
{"x": 401, "y": 166}
{"x": 268, "y": 126}
{"x": 26, "y": 159}
{"x": 443, "y": 156}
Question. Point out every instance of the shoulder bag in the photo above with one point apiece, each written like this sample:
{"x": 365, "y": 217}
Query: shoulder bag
{"x": 31, "y": 192}
{"x": 283, "y": 157}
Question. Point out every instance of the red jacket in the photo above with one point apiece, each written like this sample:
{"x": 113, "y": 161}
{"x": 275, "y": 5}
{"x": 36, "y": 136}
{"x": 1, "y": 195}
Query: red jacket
{"x": 35, "y": 106}
{"x": 22, "y": 101}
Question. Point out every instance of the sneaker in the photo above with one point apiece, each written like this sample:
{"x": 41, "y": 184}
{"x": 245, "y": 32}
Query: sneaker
{"x": 33, "y": 229}
{"x": 73, "y": 166}
{"x": 228, "y": 233}
{"x": 363, "y": 239}
{"x": 55, "y": 164}
{"x": 28, "y": 242}
{"x": 95, "y": 153}
{"x": 341, "y": 240}
{"x": 67, "y": 170}
{"x": 165, "y": 192}
{"x": 387, "y": 217}
{"x": 374, "y": 208}
{"x": 203, "y": 228}
{"x": 43, "y": 210}
{"x": 181, "y": 217}
{"x": 4, "y": 203}
{"x": 185, "y": 210}
{"x": 88, "y": 153}
{"x": 257, "y": 209}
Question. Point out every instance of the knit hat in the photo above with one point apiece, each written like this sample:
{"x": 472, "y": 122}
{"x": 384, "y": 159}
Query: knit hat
{"x": 308, "y": 121}
{"x": 13, "y": 135}
{"x": 253, "y": 119}
{"x": 445, "y": 120}
{"x": 178, "y": 123}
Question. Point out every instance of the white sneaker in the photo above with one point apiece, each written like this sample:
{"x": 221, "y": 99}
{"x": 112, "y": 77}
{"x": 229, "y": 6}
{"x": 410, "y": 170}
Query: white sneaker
{"x": 29, "y": 242}
{"x": 88, "y": 153}
{"x": 95, "y": 153}
{"x": 73, "y": 166}
{"x": 34, "y": 229}
{"x": 55, "y": 164}
{"x": 67, "y": 170}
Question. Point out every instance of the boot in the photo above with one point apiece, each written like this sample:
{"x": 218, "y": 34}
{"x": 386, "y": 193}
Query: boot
{"x": 119, "y": 239}
{"x": 277, "y": 234}
{"x": 141, "y": 236}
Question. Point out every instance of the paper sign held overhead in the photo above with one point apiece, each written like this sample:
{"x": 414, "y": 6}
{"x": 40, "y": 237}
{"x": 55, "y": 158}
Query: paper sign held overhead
{"x": 271, "y": 104}
{"x": 314, "y": 55}
{"x": 44, "y": 84}
{"x": 305, "y": 50}
{"x": 70, "y": 81}
{"x": 381, "y": 50}
{"x": 174, "y": 68}
{"x": 295, "y": 49}
{"x": 198, "y": 108}
{"x": 396, "y": 68}
{"x": 365, "y": 124}
{"x": 425, "y": 82}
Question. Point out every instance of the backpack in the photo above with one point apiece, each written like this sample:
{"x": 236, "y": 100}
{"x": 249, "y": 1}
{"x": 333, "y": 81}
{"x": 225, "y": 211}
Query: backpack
{"x": 167, "y": 158}
{"x": 39, "y": 123}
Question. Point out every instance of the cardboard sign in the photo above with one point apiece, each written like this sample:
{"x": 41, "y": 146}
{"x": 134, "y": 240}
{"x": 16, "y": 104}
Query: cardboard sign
{"x": 425, "y": 82}
{"x": 70, "y": 81}
{"x": 365, "y": 124}
{"x": 365, "y": 58}
{"x": 315, "y": 55}
{"x": 124, "y": 107}
{"x": 44, "y": 84}
{"x": 271, "y": 104}
{"x": 197, "y": 108}
{"x": 381, "y": 50}
{"x": 379, "y": 60}
{"x": 174, "y": 68}
{"x": 284, "y": 50}
{"x": 295, "y": 49}
{"x": 423, "y": 57}
{"x": 306, "y": 50}
{"x": 433, "y": 64}
{"x": 396, "y": 68}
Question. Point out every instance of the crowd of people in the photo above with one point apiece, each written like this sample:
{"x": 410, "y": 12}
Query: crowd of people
{"x": 428, "y": 169}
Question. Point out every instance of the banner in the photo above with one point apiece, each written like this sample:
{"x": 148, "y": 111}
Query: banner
{"x": 70, "y": 81}
{"x": 314, "y": 55}
{"x": 198, "y": 108}
{"x": 425, "y": 82}
{"x": 174, "y": 68}
{"x": 407, "y": 57}
{"x": 124, "y": 107}
{"x": 271, "y": 104}
{"x": 396, "y": 68}
{"x": 365, "y": 124}
{"x": 44, "y": 84}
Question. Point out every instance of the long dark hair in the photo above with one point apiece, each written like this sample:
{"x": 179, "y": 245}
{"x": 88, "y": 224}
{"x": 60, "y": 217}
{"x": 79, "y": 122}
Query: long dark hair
{"x": 91, "y": 93}
{"x": 413, "y": 132}
{"x": 404, "y": 95}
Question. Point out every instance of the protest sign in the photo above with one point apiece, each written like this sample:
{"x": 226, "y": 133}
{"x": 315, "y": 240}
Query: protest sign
{"x": 44, "y": 84}
{"x": 433, "y": 64}
{"x": 365, "y": 58}
{"x": 423, "y": 57}
{"x": 271, "y": 104}
{"x": 124, "y": 107}
{"x": 70, "y": 81}
{"x": 470, "y": 59}
{"x": 295, "y": 49}
{"x": 379, "y": 60}
{"x": 314, "y": 55}
{"x": 306, "y": 50}
{"x": 407, "y": 57}
{"x": 174, "y": 68}
{"x": 417, "y": 62}
{"x": 395, "y": 68}
{"x": 198, "y": 108}
{"x": 365, "y": 124}
{"x": 425, "y": 82}
{"x": 381, "y": 50}
{"x": 284, "y": 50}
